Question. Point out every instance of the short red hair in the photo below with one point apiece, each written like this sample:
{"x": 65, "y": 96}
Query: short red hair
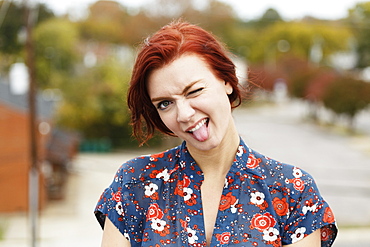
{"x": 169, "y": 43}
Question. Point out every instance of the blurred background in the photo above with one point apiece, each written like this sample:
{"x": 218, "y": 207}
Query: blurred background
{"x": 64, "y": 124}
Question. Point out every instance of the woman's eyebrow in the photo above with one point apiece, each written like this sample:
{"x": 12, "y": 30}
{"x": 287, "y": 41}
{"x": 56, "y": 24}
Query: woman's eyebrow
{"x": 186, "y": 89}
{"x": 189, "y": 86}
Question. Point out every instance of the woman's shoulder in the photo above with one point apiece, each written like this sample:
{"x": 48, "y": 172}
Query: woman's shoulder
{"x": 276, "y": 173}
{"x": 146, "y": 167}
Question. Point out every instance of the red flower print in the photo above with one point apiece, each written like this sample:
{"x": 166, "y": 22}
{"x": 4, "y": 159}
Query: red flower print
{"x": 328, "y": 215}
{"x": 154, "y": 212}
{"x": 154, "y": 157}
{"x": 155, "y": 196}
{"x": 224, "y": 237}
{"x": 181, "y": 184}
{"x": 154, "y": 173}
{"x": 227, "y": 201}
{"x": 116, "y": 196}
{"x": 252, "y": 161}
{"x": 262, "y": 222}
{"x": 298, "y": 184}
{"x": 281, "y": 206}
{"x": 325, "y": 233}
{"x": 263, "y": 206}
{"x": 164, "y": 232}
{"x": 184, "y": 223}
{"x": 277, "y": 242}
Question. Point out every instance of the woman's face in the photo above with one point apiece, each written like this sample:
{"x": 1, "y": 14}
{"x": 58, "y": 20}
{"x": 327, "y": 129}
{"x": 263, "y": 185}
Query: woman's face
{"x": 191, "y": 101}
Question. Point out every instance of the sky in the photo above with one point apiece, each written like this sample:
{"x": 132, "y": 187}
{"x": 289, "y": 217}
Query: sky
{"x": 246, "y": 9}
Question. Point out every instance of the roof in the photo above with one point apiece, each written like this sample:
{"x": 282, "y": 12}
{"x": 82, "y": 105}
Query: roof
{"x": 45, "y": 107}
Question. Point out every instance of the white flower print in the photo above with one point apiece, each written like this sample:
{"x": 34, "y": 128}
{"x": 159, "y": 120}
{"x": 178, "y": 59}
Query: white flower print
{"x": 240, "y": 151}
{"x": 257, "y": 198}
{"x": 126, "y": 236}
{"x": 164, "y": 175}
{"x": 187, "y": 193}
{"x": 182, "y": 164}
{"x": 150, "y": 189}
{"x": 270, "y": 234}
{"x": 312, "y": 208}
{"x": 192, "y": 237}
{"x": 298, "y": 234}
{"x": 297, "y": 173}
{"x": 119, "y": 208}
{"x": 226, "y": 184}
{"x": 233, "y": 207}
{"x": 158, "y": 224}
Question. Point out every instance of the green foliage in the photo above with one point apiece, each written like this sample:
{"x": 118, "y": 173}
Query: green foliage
{"x": 270, "y": 17}
{"x": 105, "y": 23}
{"x": 10, "y": 28}
{"x": 300, "y": 37}
{"x": 95, "y": 103}
{"x": 13, "y": 33}
{"x": 347, "y": 96}
{"x": 56, "y": 43}
{"x": 359, "y": 18}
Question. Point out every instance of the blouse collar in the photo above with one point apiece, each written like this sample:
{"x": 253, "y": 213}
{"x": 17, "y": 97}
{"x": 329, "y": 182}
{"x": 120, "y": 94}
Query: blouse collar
{"x": 240, "y": 164}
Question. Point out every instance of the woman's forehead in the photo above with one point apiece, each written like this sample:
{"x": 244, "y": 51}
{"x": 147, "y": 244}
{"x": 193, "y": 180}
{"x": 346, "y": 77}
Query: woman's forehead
{"x": 179, "y": 74}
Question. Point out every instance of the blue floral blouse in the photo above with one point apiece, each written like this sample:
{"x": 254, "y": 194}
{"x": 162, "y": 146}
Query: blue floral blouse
{"x": 156, "y": 201}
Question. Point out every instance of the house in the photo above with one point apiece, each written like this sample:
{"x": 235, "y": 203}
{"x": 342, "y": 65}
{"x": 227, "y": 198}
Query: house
{"x": 15, "y": 159}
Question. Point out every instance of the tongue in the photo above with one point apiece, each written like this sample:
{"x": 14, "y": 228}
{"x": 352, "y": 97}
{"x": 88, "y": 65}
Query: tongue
{"x": 201, "y": 134}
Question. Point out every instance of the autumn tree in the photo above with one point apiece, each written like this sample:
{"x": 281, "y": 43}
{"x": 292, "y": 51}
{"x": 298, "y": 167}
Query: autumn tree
{"x": 347, "y": 96}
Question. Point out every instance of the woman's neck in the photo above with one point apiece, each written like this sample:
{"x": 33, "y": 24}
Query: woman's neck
{"x": 217, "y": 161}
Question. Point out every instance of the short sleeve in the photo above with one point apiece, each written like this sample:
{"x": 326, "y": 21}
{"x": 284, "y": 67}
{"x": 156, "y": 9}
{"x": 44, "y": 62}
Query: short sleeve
{"x": 111, "y": 204}
{"x": 308, "y": 212}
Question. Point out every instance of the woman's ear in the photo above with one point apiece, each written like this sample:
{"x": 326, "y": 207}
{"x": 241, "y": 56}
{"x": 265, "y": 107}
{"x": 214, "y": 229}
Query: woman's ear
{"x": 228, "y": 88}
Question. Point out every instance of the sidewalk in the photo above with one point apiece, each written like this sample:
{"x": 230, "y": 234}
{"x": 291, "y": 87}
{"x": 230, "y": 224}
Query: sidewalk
{"x": 340, "y": 164}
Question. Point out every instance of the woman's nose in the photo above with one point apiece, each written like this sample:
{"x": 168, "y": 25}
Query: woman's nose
{"x": 184, "y": 111}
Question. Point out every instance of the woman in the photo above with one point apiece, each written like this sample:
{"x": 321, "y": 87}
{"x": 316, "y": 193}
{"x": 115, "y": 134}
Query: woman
{"x": 212, "y": 190}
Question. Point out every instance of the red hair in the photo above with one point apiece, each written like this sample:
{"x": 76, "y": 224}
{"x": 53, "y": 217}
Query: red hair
{"x": 169, "y": 43}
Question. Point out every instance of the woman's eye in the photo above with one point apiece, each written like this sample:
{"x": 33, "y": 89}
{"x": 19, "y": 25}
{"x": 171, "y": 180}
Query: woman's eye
{"x": 163, "y": 105}
{"x": 195, "y": 91}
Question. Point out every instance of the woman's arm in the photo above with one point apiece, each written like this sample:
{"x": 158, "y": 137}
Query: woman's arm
{"x": 112, "y": 237}
{"x": 312, "y": 240}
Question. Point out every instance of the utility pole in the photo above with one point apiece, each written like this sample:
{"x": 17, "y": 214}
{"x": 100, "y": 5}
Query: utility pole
{"x": 33, "y": 184}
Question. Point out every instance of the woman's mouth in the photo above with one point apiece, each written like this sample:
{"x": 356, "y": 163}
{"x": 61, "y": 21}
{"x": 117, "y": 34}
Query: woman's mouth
{"x": 200, "y": 132}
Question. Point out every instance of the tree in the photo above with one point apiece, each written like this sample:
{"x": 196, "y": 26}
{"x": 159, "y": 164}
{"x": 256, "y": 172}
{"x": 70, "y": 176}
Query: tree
{"x": 12, "y": 31}
{"x": 105, "y": 23}
{"x": 95, "y": 103}
{"x": 298, "y": 37}
{"x": 359, "y": 17}
{"x": 56, "y": 52}
{"x": 347, "y": 96}
{"x": 270, "y": 17}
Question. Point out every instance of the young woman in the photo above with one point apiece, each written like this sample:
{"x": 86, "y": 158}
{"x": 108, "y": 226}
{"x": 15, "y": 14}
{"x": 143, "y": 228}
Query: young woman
{"x": 212, "y": 190}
